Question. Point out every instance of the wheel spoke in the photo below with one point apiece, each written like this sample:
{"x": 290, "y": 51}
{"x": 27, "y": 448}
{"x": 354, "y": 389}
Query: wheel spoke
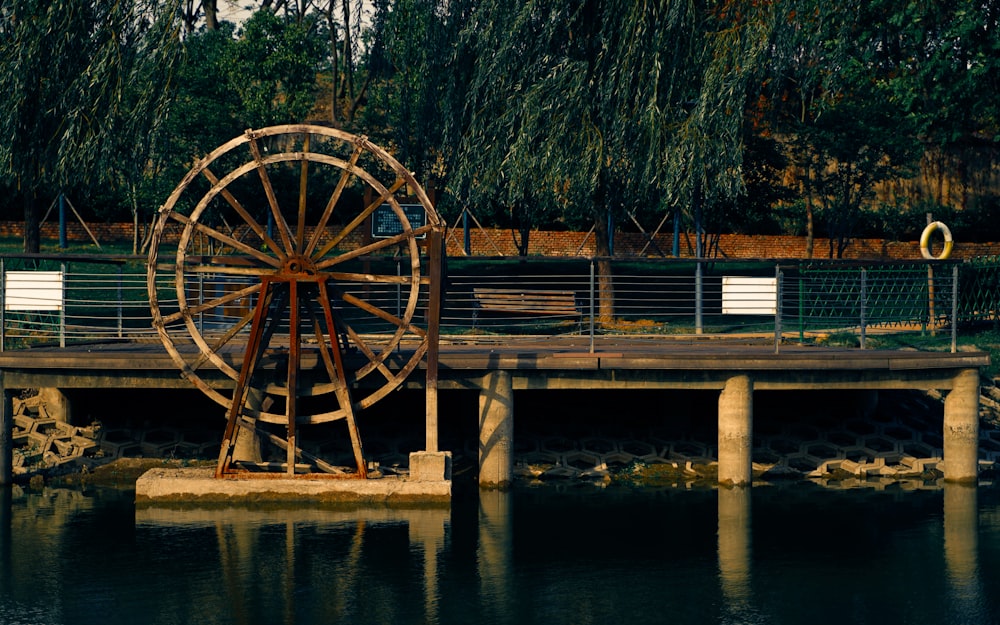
{"x": 357, "y": 221}
{"x": 227, "y": 240}
{"x": 300, "y": 226}
{"x": 226, "y": 270}
{"x": 224, "y": 339}
{"x": 373, "y": 247}
{"x": 272, "y": 200}
{"x": 375, "y": 361}
{"x": 401, "y": 375}
{"x": 334, "y": 198}
{"x": 212, "y": 303}
{"x": 321, "y": 342}
{"x": 258, "y": 229}
{"x": 375, "y": 278}
{"x": 381, "y": 314}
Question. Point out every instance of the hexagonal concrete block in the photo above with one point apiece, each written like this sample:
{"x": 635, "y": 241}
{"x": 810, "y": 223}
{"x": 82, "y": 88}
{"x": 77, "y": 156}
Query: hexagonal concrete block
{"x": 689, "y": 450}
{"x": 823, "y": 451}
{"x": 159, "y": 441}
{"x": 558, "y": 444}
{"x": 898, "y": 432}
{"x": 841, "y": 438}
{"x": 879, "y": 444}
{"x": 599, "y": 446}
{"x": 640, "y": 449}
{"x": 859, "y": 427}
{"x": 540, "y": 458}
{"x": 118, "y": 443}
{"x": 581, "y": 461}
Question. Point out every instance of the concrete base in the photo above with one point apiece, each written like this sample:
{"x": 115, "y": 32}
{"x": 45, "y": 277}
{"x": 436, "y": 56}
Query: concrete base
{"x": 430, "y": 466}
{"x": 201, "y": 486}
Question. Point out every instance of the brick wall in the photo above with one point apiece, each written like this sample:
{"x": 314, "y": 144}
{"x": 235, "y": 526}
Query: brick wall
{"x": 499, "y": 242}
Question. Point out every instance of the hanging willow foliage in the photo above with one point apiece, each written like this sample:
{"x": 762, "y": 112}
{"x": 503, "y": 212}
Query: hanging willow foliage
{"x": 85, "y": 83}
{"x": 606, "y": 104}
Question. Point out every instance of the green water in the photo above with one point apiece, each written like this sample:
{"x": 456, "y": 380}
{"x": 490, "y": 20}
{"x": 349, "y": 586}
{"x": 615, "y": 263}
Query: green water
{"x": 570, "y": 554}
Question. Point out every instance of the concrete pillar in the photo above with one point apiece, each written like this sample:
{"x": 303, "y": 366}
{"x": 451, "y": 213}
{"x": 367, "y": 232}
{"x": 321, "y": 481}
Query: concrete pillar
{"x": 247, "y": 446}
{"x": 866, "y": 402}
{"x": 736, "y": 432}
{"x": 961, "y": 428}
{"x": 496, "y": 431}
{"x": 57, "y": 405}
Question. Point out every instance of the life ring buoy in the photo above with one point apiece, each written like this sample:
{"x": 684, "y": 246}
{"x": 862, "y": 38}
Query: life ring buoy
{"x": 925, "y": 240}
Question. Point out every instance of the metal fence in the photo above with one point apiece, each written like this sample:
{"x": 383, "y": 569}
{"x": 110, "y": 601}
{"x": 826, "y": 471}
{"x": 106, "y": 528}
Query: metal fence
{"x": 65, "y": 300}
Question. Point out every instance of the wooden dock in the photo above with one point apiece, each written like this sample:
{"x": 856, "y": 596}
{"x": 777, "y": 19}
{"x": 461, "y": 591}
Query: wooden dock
{"x": 497, "y": 367}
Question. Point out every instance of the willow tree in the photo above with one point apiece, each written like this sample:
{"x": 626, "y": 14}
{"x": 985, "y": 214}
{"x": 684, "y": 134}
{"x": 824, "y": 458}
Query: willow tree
{"x": 408, "y": 70}
{"x": 83, "y": 84}
{"x": 601, "y": 106}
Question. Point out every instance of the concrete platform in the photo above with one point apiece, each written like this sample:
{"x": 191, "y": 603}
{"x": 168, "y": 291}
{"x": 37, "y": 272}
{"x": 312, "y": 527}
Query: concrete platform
{"x": 198, "y": 485}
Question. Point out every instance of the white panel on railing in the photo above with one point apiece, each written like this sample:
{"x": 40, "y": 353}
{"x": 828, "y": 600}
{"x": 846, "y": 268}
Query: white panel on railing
{"x": 742, "y": 295}
{"x": 33, "y": 290}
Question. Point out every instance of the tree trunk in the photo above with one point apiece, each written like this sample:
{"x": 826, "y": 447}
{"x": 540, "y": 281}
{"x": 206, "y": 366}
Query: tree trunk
{"x": 335, "y": 62}
{"x": 211, "y": 14}
{"x": 135, "y": 216}
{"x": 605, "y": 280}
{"x": 810, "y": 225}
{"x": 32, "y": 234}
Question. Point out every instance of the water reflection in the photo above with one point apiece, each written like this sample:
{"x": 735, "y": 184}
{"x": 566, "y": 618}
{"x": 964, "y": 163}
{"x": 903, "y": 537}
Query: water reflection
{"x": 322, "y": 565}
{"x": 494, "y": 553}
{"x": 735, "y": 539}
{"x": 762, "y": 555}
{"x": 961, "y": 549}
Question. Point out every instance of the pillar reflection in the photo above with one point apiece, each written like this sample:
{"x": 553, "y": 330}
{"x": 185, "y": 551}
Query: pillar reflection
{"x": 735, "y": 549}
{"x": 493, "y": 556}
{"x": 427, "y": 529}
{"x": 6, "y": 537}
{"x": 961, "y": 548}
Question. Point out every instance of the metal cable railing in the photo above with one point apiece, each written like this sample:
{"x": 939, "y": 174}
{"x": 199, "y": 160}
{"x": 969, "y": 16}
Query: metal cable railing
{"x": 64, "y": 301}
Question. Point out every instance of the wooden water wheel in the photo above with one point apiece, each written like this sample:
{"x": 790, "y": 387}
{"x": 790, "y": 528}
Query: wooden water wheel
{"x": 276, "y": 282}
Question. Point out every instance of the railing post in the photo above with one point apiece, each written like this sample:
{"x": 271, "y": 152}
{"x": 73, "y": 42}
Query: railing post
{"x": 864, "y": 302}
{"x": 777, "y": 308}
{"x": 120, "y": 304}
{"x": 466, "y": 238}
{"x": 931, "y": 314}
{"x": 201, "y": 300}
{"x": 3, "y": 304}
{"x": 698, "y": 328}
{"x": 62, "y": 309}
{"x": 592, "y": 297}
{"x": 954, "y": 308}
{"x": 802, "y": 306}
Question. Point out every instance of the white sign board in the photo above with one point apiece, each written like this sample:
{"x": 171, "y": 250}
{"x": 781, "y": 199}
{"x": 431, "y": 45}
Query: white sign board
{"x": 33, "y": 290}
{"x": 749, "y": 296}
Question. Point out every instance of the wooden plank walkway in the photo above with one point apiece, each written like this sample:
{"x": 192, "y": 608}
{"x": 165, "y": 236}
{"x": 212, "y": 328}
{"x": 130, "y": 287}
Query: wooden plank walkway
{"x": 541, "y": 362}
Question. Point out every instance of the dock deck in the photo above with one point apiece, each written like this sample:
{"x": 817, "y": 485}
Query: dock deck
{"x": 497, "y": 367}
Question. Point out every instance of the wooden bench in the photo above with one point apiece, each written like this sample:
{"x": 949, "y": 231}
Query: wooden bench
{"x": 537, "y": 302}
